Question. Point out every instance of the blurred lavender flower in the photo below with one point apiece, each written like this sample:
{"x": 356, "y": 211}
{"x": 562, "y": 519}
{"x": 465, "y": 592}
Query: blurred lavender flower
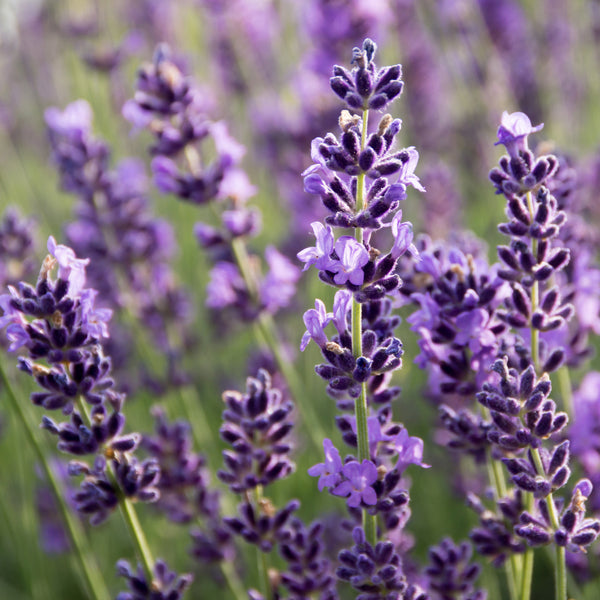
{"x": 450, "y": 573}
{"x": 133, "y": 275}
{"x": 183, "y": 483}
{"x": 585, "y": 430}
{"x": 17, "y": 245}
{"x": 167, "y": 103}
{"x": 509, "y": 31}
{"x": 165, "y": 585}
{"x": 59, "y": 327}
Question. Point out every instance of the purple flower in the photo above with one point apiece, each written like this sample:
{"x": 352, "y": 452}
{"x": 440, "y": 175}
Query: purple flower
{"x": 342, "y": 303}
{"x": 315, "y": 319}
{"x": 17, "y": 336}
{"x": 70, "y": 268}
{"x": 329, "y": 471}
{"x": 319, "y": 255}
{"x": 319, "y": 165}
{"x": 473, "y": 332}
{"x": 236, "y": 185}
{"x": 224, "y": 285}
{"x": 166, "y": 175}
{"x": 314, "y": 184}
{"x": 11, "y": 314}
{"x": 513, "y": 131}
{"x": 407, "y": 172}
{"x": 238, "y": 222}
{"x": 74, "y": 121}
{"x": 227, "y": 147}
{"x": 279, "y": 285}
{"x": 165, "y": 584}
{"x": 410, "y": 451}
{"x": 357, "y": 485}
{"x": 352, "y": 258}
{"x": 403, "y": 237}
{"x": 94, "y": 321}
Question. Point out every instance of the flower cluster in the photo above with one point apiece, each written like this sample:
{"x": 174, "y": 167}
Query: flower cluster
{"x": 257, "y": 426}
{"x": 56, "y": 322}
{"x": 168, "y": 104}
{"x": 129, "y": 250}
{"x": 363, "y": 354}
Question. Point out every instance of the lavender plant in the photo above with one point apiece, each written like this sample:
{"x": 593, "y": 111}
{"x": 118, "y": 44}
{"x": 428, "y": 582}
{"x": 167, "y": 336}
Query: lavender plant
{"x": 130, "y": 251}
{"x": 57, "y": 323}
{"x": 364, "y": 353}
{"x": 498, "y": 342}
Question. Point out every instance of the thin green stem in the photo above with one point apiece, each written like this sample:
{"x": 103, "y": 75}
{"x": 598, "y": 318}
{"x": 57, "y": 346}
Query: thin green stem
{"x": 527, "y": 574}
{"x": 566, "y": 389}
{"x": 233, "y": 581}
{"x": 561, "y": 575}
{"x": 263, "y": 569}
{"x": 560, "y": 581}
{"x": 535, "y": 294}
{"x": 128, "y": 511}
{"x": 360, "y": 404}
{"x": 513, "y": 567}
{"x": 89, "y": 567}
{"x": 136, "y": 533}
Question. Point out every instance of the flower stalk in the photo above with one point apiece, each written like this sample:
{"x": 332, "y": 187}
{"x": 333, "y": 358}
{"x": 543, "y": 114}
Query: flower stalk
{"x": 89, "y": 568}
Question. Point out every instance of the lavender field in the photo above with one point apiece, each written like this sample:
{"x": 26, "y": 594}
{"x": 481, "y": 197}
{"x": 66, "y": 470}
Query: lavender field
{"x": 300, "y": 299}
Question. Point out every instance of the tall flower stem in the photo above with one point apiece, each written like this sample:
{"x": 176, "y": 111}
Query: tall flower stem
{"x": 535, "y": 295}
{"x": 89, "y": 568}
{"x": 560, "y": 575}
{"x": 263, "y": 571}
{"x": 560, "y": 581}
{"x": 128, "y": 512}
{"x": 360, "y": 404}
{"x": 514, "y": 566}
{"x": 566, "y": 390}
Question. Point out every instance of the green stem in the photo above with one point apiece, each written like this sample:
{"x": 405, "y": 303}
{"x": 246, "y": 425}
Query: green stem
{"x": 535, "y": 294}
{"x": 527, "y": 574}
{"x": 566, "y": 390}
{"x": 233, "y": 581}
{"x": 513, "y": 567}
{"x": 127, "y": 510}
{"x": 90, "y": 570}
{"x": 136, "y": 533}
{"x": 263, "y": 570}
{"x": 560, "y": 581}
{"x": 360, "y": 404}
